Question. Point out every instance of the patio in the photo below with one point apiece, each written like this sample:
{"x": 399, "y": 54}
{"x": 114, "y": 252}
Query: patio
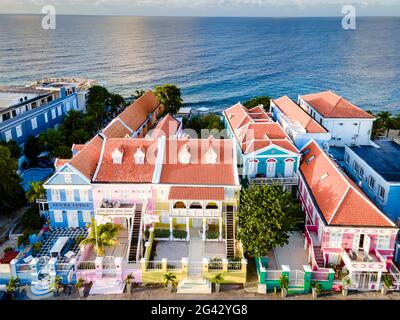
{"x": 171, "y": 250}
{"x": 292, "y": 254}
{"x": 119, "y": 250}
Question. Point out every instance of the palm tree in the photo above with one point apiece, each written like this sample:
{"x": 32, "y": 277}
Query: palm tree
{"x": 138, "y": 93}
{"x": 35, "y": 192}
{"x": 385, "y": 119}
{"x": 13, "y": 286}
{"x": 169, "y": 279}
{"x": 57, "y": 284}
{"x": 102, "y": 236}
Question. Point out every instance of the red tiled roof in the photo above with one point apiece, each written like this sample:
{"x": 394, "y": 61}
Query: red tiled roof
{"x": 77, "y": 147}
{"x": 60, "y": 162}
{"x": 198, "y": 171}
{"x": 196, "y": 193}
{"x": 167, "y": 126}
{"x": 86, "y": 160}
{"x": 8, "y": 256}
{"x": 330, "y": 105}
{"x": 137, "y": 113}
{"x": 116, "y": 129}
{"x": 128, "y": 171}
{"x": 297, "y": 115}
{"x": 340, "y": 202}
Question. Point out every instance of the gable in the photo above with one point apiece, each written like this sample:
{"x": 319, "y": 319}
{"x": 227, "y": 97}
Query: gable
{"x": 59, "y": 178}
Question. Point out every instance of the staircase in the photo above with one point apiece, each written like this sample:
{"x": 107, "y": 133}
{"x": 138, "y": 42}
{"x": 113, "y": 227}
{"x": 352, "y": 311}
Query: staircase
{"x": 197, "y": 286}
{"x": 319, "y": 258}
{"x": 133, "y": 249}
{"x": 230, "y": 232}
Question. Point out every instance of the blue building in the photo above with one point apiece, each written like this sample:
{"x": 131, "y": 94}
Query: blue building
{"x": 30, "y": 110}
{"x": 376, "y": 169}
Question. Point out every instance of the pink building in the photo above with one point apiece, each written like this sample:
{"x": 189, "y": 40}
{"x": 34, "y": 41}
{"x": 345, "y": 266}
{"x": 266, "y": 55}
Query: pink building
{"x": 343, "y": 227}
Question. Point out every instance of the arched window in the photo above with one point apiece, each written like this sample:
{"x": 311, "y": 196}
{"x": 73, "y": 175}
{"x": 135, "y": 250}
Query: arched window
{"x": 179, "y": 205}
{"x": 195, "y": 205}
{"x": 271, "y": 168}
{"x": 253, "y": 167}
{"x": 211, "y": 205}
{"x": 289, "y": 167}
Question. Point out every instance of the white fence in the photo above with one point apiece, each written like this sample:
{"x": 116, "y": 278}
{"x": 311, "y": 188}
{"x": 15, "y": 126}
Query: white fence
{"x": 86, "y": 265}
{"x": 273, "y": 274}
{"x": 296, "y": 278}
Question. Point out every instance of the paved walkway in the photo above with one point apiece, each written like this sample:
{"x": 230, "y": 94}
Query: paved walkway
{"x": 292, "y": 254}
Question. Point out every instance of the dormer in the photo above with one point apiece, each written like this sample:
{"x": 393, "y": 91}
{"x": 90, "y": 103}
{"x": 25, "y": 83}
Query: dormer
{"x": 117, "y": 155}
{"x": 184, "y": 155}
{"x": 211, "y": 156}
{"x": 139, "y": 156}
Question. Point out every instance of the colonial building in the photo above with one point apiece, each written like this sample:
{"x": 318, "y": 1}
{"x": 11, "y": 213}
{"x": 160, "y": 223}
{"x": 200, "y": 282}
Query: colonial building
{"x": 347, "y": 123}
{"x": 297, "y": 123}
{"x": 265, "y": 152}
{"x": 343, "y": 227}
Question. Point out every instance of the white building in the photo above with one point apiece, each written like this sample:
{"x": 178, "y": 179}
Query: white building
{"x": 347, "y": 123}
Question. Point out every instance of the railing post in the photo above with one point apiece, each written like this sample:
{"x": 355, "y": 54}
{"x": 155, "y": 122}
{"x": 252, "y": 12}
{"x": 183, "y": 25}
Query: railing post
{"x": 98, "y": 262}
{"x": 52, "y": 267}
{"x": 13, "y": 268}
{"x": 307, "y": 278}
{"x": 34, "y": 266}
{"x": 119, "y": 266}
{"x": 185, "y": 265}
{"x": 205, "y": 264}
{"x": 143, "y": 264}
{"x": 225, "y": 265}
{"x": 244, "y": 265}
{"x": 286, "y": 271}
{"x": 164, "y": 264}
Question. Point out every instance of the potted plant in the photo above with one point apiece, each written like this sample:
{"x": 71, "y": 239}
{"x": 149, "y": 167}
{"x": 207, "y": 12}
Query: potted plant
{"x": 387, "y": 284}
{"x": 36, "y": 247}
{"x": 12, "y": 287}
{"x": 128, "y": 282}
{"x": 316, "y": 289}
{"x": 346, "y": 283}
{"x": 80, "y": 285}
{"x": 57, "y": 285}
{"x": 284, "y": 283}
{"x": 217, "y": 280}
{"x": 169, "y": 280}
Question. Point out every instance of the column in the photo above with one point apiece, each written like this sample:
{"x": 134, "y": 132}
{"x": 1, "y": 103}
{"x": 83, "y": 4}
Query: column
{"x": 34, "y": 268}
{"x": 185, "y": 262}
{"x": 187, "y": 229}
{"x": 205, "y": 263}
{"x": 171, "y": 236}
{"x": 307, "y": 278}
{"x": 13, "y": 268}
{"x": 52, "y": 267}
{"x": 98, "y": 262}
{"x": 119, "y": 267}
{"x": 220, "y": 228}
{"x": 225, "y": 265}
{"x": 204, "y": 229}
{"x": 378, "y": 280}
{"x": 164, "y": 264}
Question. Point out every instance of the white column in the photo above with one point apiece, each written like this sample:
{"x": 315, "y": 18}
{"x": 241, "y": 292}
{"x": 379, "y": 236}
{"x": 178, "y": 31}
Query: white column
{"x": 187, "y": 229}
{"x": 220, "y": 228}
{"x": 204, "y": 229}
{"x": 378, "y": 280}
{"x": 170, "y": 228}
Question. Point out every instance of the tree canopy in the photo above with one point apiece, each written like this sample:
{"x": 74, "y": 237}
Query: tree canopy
{"x": 384, "y": 122}
{"x": 33, "y": 147}
{"x": 209, "y": 121}
{"x": 254, "y": 102}
{"x": 12, "y": 194}
{"x": 15, "y": 150}
{"x": 169, "y": 96}
{"x": 267, "y": 215}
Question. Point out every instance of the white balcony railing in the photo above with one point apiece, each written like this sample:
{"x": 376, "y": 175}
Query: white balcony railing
{"x": 214, "y": 213}
{"x": 276, "y": 180}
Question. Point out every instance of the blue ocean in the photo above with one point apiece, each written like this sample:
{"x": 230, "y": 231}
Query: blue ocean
{"x": 215, "y": 61}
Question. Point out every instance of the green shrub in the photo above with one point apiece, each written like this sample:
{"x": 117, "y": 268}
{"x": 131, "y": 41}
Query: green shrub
{"x": 36, "y": 247}
{"x": 161, "y": 233}
{"x": 32, "y": 220}
{"x": 211, "y": 234}
{"x": 179, "y": 234}
{"x": 8, "y": 249}
{"x": 23, "y": 240}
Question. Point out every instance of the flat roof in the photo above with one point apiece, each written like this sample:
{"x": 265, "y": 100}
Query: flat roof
{"x": 385, "y": 160}
{"x": 185, "y": 110}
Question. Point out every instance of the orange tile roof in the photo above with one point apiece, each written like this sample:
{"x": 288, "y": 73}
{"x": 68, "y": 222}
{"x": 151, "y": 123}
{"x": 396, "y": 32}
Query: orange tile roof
{"x": 341, "y": 203}
{"x": 198, "y": 171}
{"x": 60, "y": 162}
{"x": 297, "y": 115}
{"x": 196, "y": 193}
{"x": 330, "y": 105}
{"x": 167, "y": 126}
{"x": 86, "y": 160}
{"x": 116, "y": 129}
{"x": 128, "y": 171}
{"x": 137, "y": 113}
{"x": 77, "y": 147}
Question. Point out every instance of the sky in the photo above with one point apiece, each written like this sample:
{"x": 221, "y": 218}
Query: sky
{"x": 266, "y": 8}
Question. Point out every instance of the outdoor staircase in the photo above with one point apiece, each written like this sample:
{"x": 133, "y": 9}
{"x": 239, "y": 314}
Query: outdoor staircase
{"x": 319, "y": 258}
{"x": 134, "y": 244}
{"x": 197, "y": 286}
{"x": 230, "y": 232}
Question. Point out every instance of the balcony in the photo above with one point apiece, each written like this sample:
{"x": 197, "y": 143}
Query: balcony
{"x": 195, "y": 213}
{"x": 283, "y": 181}
{"x": 361, "y": 261}
{"x": 116, "y": 209}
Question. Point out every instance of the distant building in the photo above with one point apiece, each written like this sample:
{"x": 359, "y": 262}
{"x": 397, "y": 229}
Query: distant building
{"x": 376, "y": 169}
{"x": 26, "y": 111}
{"x": 298, "y": 124}
{"x": 343, "y": 227}
{"x": 347, "y": 123}
{"x": 168, "y": 126}
{"x": 264, "y": 150}
{"x": 184, "y": 112}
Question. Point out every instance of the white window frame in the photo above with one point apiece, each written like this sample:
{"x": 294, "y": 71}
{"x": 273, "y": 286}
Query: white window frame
{"x": 69, "y": 195}
{"x": 59, "y": 111}
{"x": 164, "y": 218}
{"x": 253, "y": 167}
{"x": 18, "y": 129}
{"x": 8, "y": 135}
{"x": 380, "y": 196}
{"x": 68, "y": 178}
{"x": 383, "y": 242}
{"x": 86, "y": 216}
{"x": 53, "y": 114}
{"x": 335, "y": 239}
{"x": 46, "y": 117}
{"x": 347, "y": 158}
{"x": 58, "y": 216}
{"x": 84, "y": 195}
{"x": 34, "y": 123}
{"x": 55, "y": 195}
{"x": 371, "y": 185}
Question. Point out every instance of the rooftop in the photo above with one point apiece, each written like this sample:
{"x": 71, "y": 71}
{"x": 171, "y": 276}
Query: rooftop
{"x": 385, "y": 159}
{"x": 330, "y": 105}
